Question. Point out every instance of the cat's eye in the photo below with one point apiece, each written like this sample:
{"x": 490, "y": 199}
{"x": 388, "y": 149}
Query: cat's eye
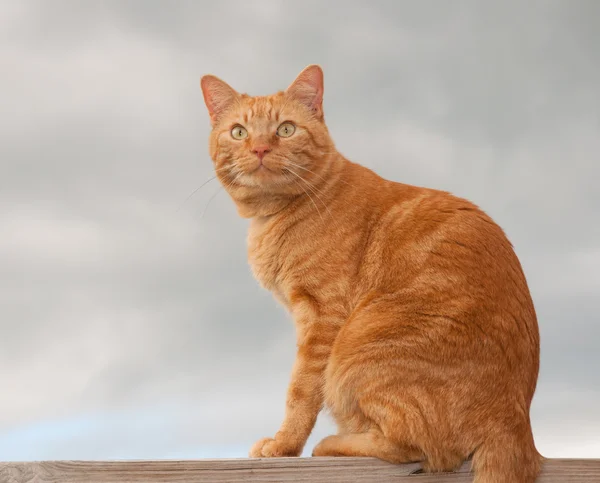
{"x": 286, "y": 130}
{"x": 239, "y": 132}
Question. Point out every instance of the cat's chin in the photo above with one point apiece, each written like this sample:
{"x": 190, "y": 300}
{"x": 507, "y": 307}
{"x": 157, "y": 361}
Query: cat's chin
{"x": 264, "y": 178}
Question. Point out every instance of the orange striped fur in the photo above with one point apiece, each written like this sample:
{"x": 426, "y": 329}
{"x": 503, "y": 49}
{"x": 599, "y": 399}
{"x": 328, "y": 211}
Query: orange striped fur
{"x": 415, "y": 326}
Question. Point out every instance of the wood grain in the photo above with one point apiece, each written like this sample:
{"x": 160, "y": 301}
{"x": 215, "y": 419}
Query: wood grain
{"x": 316, "y": 470}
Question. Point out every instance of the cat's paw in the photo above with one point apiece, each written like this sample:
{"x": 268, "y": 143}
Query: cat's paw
{"x": 273, "y": 448}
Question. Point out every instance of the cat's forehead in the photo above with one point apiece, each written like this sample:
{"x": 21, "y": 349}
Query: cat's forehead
{"x": 262, "y": 107}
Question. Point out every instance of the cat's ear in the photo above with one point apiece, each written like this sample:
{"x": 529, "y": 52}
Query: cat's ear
{"x": 308, "y": 89}
{"x": 218, "y": 96}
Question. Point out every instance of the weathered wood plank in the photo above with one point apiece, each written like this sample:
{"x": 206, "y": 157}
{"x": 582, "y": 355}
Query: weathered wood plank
{"x": 316, "y": 470}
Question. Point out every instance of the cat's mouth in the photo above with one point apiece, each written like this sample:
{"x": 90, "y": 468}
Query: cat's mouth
{"x": 262, "y": 167}
{"x": 265, "y": 167}
{"x": 263, "y": 174}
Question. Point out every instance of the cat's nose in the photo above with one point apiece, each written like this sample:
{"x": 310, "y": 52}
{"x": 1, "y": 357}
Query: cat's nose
{"x": 260, "y": 151}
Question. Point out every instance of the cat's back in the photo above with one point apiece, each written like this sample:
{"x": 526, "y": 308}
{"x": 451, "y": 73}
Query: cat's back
{"x": 430, "y": 227}
{"x": 436, "y": 248}
{"x": 453, "y": 234}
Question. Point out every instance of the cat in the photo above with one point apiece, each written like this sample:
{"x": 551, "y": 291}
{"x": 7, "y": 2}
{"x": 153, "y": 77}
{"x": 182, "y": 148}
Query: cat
{"x": 415, "y": 326}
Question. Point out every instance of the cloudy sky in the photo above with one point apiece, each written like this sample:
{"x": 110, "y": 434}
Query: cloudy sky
{"x": 130, "y": 324}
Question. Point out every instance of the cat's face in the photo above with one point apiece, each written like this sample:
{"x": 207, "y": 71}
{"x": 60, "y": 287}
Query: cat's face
{"x": 275, "y": 144}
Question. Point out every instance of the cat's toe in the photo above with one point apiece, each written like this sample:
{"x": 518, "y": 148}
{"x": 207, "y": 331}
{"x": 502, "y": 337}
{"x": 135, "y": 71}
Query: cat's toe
{"x": 272, "y": 448}
{"x": 257, "y": 448}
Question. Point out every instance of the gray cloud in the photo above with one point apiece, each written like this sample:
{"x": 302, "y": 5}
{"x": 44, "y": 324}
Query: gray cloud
{"x": 116, "y": 299}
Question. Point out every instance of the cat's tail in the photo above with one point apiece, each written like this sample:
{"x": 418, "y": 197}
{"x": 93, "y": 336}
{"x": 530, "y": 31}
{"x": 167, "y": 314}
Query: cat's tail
{"x": 507, "y": 458}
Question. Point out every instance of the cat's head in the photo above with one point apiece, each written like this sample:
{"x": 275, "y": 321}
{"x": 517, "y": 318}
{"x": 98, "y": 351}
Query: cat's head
{"x": 268, "y": 147}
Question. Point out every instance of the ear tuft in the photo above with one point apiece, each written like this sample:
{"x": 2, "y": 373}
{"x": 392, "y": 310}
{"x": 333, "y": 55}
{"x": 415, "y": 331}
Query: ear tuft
{"x": 218, "y": 96}
{"x": 308, "y": 89}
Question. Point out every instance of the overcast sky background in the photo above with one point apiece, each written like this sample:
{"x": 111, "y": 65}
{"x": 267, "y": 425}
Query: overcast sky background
{"x": 130, "y": 324}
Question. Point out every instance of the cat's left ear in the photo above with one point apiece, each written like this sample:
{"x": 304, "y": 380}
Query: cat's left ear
{"x": 218, "y": 96}
{"x": 308, "y": 89}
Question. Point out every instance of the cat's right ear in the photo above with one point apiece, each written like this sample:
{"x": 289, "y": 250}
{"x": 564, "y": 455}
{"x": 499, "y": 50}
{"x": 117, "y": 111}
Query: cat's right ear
{"x": 218, "y": 96}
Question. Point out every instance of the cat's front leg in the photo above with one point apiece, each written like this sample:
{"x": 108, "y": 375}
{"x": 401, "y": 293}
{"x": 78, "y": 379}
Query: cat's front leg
{"x": 305, "y": 393}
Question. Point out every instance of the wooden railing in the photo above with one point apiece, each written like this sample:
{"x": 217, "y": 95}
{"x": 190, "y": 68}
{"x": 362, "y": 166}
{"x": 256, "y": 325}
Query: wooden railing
{"x": 279, "y": 470}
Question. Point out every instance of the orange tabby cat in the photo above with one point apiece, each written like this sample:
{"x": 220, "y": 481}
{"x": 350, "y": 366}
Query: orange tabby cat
{"x": 415, "y": 326}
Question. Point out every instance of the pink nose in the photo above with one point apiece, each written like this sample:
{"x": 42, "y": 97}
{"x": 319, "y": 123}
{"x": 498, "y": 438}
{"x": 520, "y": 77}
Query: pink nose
{"x": 260, "y": 151}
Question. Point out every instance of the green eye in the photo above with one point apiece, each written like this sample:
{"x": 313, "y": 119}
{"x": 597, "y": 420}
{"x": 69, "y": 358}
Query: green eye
{"x": 239, "y": 132}
{"x": 286, "y": 130}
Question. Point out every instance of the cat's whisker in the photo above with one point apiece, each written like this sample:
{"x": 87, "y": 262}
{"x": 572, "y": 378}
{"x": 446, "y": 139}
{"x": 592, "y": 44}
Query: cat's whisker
{"x": 312, "y": 188}
{"x": 306, "y": 169}
{"x": 306, "y": 192}
{"x": 228, "y": 167}
{"x": 316, "y": 174}
{"x": 315, "y": 191}
{"x": 195, "y": 191}
{"x": 209, "y": 200}
{"x": 235, "y": 178}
